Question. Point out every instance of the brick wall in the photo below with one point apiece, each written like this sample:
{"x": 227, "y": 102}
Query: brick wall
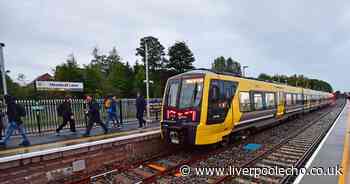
{"x": 74, "y": 165}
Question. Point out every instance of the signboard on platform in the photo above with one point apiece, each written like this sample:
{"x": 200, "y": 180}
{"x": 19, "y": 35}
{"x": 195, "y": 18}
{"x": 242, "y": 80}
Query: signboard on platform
{"x": 59, "y": 86}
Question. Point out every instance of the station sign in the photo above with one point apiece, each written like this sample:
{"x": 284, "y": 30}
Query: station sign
{"x": 59, "y": 86}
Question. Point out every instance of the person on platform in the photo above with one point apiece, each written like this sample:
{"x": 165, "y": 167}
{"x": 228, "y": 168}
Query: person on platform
{"x": 110, "y": 105}
{"x": 65, "y": 110}
{"x": 140, "y": 108}
{"x": 15, "y": 112}
{"x": 93, "y": 114}
{"x": 2, "y": 117}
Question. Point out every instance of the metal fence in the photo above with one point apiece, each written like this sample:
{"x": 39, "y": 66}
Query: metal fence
{"x": 41, "y": 115}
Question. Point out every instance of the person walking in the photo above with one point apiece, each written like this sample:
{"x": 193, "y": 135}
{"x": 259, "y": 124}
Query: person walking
{"x": 65, "y": 110}
{"x": 93, "y": 114}
{"x": 140, "y": 108}
{"x": 2, "y": 117}
{"x": 111, "y": 107}
{"x": 14, "y": 113}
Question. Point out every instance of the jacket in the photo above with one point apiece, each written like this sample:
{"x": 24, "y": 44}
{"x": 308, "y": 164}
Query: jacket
{"x": 140, "y": 106}
{"x": 66, "y": 109}
{"x": 93, "y": 112}
{"x": 12, "y": 113}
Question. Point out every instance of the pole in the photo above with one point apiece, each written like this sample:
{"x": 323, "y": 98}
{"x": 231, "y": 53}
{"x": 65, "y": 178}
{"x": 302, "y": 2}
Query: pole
{"x": 147, "y": 81}
{"x": 2, "y": 67}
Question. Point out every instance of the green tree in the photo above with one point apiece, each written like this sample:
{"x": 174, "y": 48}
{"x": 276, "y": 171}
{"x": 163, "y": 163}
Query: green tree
{"x": 69, "y": 71}
{"x": 219, "y": 64}
{"x": 180, "y": 58}
{"x": 155, "y": 52}
{"x": 233, "y": 67}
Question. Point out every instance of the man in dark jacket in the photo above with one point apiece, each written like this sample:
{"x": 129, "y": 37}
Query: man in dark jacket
{"x": 65, "y": 110}
{"x": 140, "y": 107}
{"x": 14, "y": 113}
{"x": 93, "y": 114}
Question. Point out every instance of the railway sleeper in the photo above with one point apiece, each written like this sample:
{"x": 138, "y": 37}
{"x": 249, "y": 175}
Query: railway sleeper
{"x": 271, "y": 157}
{"x": 291, "y": 149}
{"x": 296, "y": 148}
{"x": 290, "y": 153}
{"x": 277, "y": 163}
{"x": 285, "y": 156}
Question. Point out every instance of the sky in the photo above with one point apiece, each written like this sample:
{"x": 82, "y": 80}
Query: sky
{"x": 285, "y": 37}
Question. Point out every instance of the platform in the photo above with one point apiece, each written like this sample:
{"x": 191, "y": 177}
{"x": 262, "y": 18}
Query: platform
{"x": 333, "y": 153}
{"x": 67, "y": 138}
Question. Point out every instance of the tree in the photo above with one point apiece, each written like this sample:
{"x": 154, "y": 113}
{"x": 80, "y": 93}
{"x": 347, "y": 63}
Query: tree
{"x": 22, "y": 79}
{"x": 155, "y": 52}
{"x": 233, "y": 66}
{"x": 180, "y": 58}
{"x": 219, "y": 64}
{"x": 69, "y": 71}
{"x": 299, "y": 81}
{"x": 222, "y": 65}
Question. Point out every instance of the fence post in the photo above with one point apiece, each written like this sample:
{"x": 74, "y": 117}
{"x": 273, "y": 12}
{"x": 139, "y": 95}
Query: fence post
{"x": 38, "y": 115}
{"x": 121, "y": 111}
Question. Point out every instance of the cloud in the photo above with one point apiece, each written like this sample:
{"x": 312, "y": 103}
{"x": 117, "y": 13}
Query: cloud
{"x": 303, "y": 37}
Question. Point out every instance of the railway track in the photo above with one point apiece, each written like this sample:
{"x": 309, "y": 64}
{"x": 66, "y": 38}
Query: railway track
{"x": 291, "y": 151}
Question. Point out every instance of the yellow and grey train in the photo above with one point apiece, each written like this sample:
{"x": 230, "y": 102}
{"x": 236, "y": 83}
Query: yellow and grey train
{"x": 203, "y": 107}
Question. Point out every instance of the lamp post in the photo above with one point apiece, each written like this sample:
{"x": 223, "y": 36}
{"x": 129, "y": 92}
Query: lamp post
{"x": 147, "y": 81}
{"x": 2, "y": 68}
{"x": 244, "y": 70}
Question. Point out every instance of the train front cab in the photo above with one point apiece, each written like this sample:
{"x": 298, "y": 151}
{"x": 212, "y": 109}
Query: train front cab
{"x": 197, "y": 109}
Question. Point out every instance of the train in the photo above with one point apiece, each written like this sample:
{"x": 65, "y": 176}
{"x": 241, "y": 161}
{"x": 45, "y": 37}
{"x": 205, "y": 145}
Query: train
{"x": 203, "y": 107}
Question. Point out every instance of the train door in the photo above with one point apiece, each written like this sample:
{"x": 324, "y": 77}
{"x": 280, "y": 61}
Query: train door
{"x": 280, "y": 104}
{"x": 220, "y": 104}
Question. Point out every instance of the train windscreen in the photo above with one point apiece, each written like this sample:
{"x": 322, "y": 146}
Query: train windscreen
{"x": 183, "y": 98}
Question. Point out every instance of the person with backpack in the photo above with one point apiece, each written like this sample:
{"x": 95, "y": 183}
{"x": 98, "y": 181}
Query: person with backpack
{"x": 65, "y": 110}
{"x": 14, "y": 114}
{"x": 93, "y": 114}
{"x": 111, "y": 108}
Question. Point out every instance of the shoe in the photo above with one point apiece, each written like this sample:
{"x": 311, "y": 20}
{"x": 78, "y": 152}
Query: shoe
{"x": 105, "y": 132}
{"x": 2, "y": 144}
{"x": 25, "y": 143}
{"x": 86, "y": 135}
{"x": 57, "y": 133}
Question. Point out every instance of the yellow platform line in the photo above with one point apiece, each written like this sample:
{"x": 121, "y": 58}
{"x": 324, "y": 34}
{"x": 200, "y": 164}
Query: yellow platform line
{"x": 21, "y": 150}
{"x": 344, "y": 178}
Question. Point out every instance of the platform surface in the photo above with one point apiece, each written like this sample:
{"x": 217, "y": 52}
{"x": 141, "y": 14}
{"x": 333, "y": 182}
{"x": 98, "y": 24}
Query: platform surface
{"x": 67, "y": 138}
{"x": 331, "y": 153}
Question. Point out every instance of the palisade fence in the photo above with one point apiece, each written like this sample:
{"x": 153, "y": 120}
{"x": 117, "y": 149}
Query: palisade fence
{"x": 41, "y": 115}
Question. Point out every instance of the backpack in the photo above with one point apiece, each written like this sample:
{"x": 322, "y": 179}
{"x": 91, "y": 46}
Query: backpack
{"x": 107, "y": 103}
{"x": 60, "y": 110}
{"x": 20, "y": 110}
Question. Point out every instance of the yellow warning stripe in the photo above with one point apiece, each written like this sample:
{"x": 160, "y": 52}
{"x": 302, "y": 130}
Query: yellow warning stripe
{"x": 345, "y": 161}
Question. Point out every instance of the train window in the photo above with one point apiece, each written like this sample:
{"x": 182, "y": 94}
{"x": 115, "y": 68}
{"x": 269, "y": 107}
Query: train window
{"x": 244, "y": 99}
{"x": 289, "y": 99}
{"x": 172, "y": 94}
{"x": 294, "y": 98}
{"x": 220, "y": 98}
{"x": 191, "y": 93}
{"x": 258, "y": 101}
{"x": 300, "y": 99}
{"x": 270, "y": 100}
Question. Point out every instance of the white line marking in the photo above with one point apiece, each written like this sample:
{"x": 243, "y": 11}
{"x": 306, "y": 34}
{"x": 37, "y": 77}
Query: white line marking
{"x": 307, "y": 165}
{"x": 72, "y": 147}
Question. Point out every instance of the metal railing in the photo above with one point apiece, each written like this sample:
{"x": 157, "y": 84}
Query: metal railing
{"x": 41, "y": 115}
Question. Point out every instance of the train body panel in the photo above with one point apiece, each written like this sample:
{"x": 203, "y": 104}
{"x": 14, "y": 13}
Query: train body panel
{"x": 203, "y": 107}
